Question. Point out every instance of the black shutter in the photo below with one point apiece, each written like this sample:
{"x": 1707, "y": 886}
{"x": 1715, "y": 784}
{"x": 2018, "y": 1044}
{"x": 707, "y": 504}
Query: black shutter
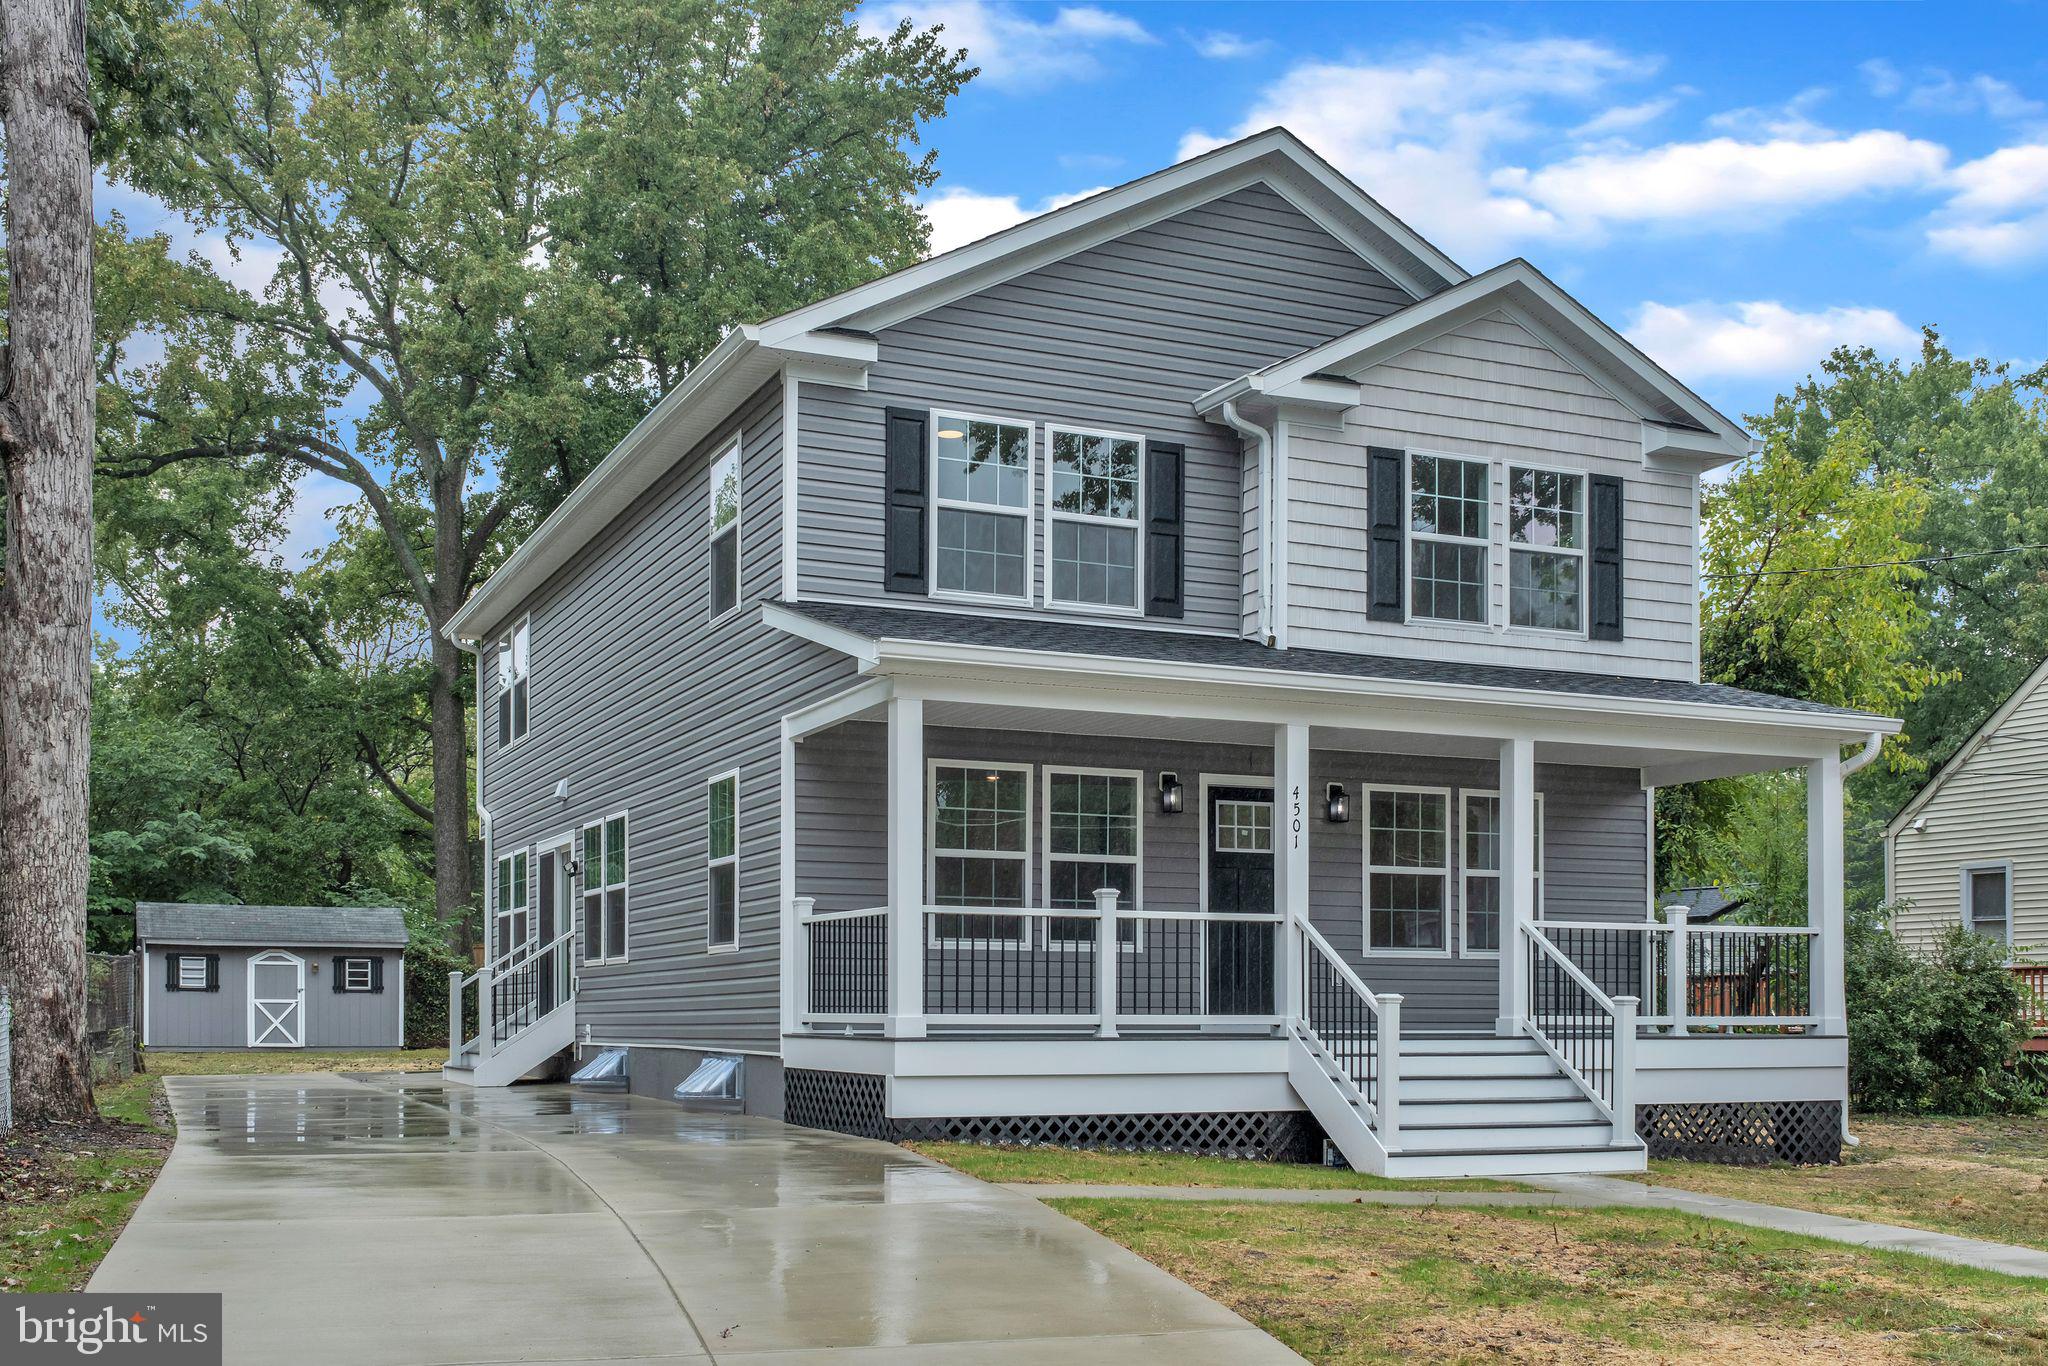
{"x": 340, "y": 974}
{"x": 1165, "y": 537}
{"x": 213, "y": 972}
{"x": 909, "y": 508}
{"x": 504, "y": 715}
{"x": 1387, "y": 524}
{"x": 377, "y": 974}
{"x": 171, "y": 972}
{"x": 1603, "y": 559}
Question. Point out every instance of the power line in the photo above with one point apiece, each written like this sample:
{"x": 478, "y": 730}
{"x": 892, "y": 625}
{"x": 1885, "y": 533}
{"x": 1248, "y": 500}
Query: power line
{"x": 1879, "y": 564}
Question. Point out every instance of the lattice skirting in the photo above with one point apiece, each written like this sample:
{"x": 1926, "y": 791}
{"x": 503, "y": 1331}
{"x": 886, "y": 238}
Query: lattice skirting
{"x": 1745, "y": 1134}
{"x": 851, "y": 1103}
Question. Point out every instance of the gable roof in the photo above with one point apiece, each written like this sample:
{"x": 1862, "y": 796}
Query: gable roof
{"x": 1691, "y": 429}
{"x": 833, "y": 335}
{"x": 191, "y": 923}
{"x": 1978, "y": 739}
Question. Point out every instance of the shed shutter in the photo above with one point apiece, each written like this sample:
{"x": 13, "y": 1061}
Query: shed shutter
{"x": 909, "y": 507}
{"x": 1604, "y": 564}
{"x": 213, "y": 972}
{"x": 377, "y": 973}
{"x": 340, "y": 974}
{"x": 1386, "y": 534}
{"x": 171, "y": 971}
{"x": 1165, "y": 536}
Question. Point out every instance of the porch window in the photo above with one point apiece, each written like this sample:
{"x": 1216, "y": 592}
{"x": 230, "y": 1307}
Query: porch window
{"x": 513, "y": 651}
{"x": 1987, "y": 901}
{"x": 1479, "y": 907}
{"x": 980, "y": 848}
{"x": 725, "y": 532}
{"x": 1093, "y": 838}
{"x": 1546, "y": 549}
{"x": 604, "y": 890}
{"x": 1092, "y": 499}
{"x": 722, "y": 914}
{"x": 511, "y": 902}
{"x": 983, "y": 507}
{"x": 1407, "y": 871}
{"x": 1447, "y": 554}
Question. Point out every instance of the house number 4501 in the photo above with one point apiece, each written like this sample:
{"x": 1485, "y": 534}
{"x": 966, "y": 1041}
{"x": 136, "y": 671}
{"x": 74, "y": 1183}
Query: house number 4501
{"x": 1294, "y": 826}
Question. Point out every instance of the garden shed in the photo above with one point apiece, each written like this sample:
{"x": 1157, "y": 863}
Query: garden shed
{"x": 217, "y": 977}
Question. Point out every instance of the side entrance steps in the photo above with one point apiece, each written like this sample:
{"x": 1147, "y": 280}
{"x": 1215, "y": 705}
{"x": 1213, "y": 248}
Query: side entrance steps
{"x": 1467, "y": 1105}
{"x": 529, "y": 1050}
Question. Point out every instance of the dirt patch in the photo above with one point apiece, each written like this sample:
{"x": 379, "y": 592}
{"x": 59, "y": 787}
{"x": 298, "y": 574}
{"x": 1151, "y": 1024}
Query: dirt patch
{"x": 1524, "y": 1335}
{"x": 36, "y": 1165}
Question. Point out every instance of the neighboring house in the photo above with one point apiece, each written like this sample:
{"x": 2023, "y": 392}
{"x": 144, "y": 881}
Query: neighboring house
{"x": 271, "y": 976}
{"x": 1971, "y": 848}
{"x": 1162, "y": 674}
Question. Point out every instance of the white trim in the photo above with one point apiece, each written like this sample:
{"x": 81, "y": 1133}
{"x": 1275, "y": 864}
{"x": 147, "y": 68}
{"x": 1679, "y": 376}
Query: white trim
{"x": 1136, "y": 859}
{"x": 497, "y": 949}
{"x": 272, "y": 1022}
{"x": 962, "y": 608}
{"x": 185, "y": 958}
{"x": 148, "y": 985}
{"x": 1203, "y": 783}
{"x": 931, "y": 853}
{"x": 1368, "y": 868}
{"x": 737, "y": 449}
{"x": 1028, "y": 511}
{"x": 711, "y": 864}
{"x": 1135, "y": 524}
{"x": 514, "y": 658}
{"x": 348, "y": 965}
{"x": 1465, "y": 871}
{"x": 787, "y": 928}
{"x": 1964, "y": 913}
{"x": 1970, "y": 747}
{"x": 792, "y": 488}
{"x": 1486, "y": 621}
{"x": 1512, "y": 547}
{"x": 604, "y": 889}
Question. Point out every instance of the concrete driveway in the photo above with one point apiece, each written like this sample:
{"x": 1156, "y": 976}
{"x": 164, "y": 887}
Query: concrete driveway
{"x": 374, "y": 1220}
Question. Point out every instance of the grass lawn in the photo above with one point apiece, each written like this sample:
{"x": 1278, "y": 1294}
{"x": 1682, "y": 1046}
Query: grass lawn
{"x": 65, "y": 1192}
{"x": 293, "y": 1060}
{"x": 1042, "y": 1165}
{"x": 1982, "y": 1178}
{"x": 1370, "y": 1283}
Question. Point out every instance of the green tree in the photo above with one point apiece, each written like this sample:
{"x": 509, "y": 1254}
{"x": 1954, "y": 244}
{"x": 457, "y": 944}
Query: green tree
{"x": 497, "y": 233}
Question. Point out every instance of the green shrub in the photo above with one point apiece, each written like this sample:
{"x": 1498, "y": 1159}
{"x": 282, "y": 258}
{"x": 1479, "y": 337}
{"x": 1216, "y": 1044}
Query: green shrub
{"x": 1935, "y": 1033}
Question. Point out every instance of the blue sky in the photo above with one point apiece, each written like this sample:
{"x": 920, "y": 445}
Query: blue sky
{"x": 1738, "y": 188}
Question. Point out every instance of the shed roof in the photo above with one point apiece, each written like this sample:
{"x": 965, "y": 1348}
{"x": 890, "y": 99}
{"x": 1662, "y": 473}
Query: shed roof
{"x": 168, "y": 922}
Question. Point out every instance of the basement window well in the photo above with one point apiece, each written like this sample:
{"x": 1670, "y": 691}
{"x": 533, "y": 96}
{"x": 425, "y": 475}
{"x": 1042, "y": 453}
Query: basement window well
{"x": 714, "y": 1085}
{"x": 605, "y": 1072}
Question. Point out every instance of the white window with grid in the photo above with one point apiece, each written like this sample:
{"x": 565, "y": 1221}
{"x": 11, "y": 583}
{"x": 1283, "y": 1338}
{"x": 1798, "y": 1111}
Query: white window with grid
{"x": 722, "y": 870}
{"x": 514, "y": 665}
{"x": 604, "y": 870}
{"x": 1479, "y": 903}
{"x": 725, "y": 531}
{"x": 1450, "y": 538}
{"x": 1093, "y": 492}
{"x": 1094, "y": 836}
{"x": 513, "y": 924}
{"x": 980, "y": 842}
{"x": 1546, "y": 549}
{"x": 1407, "y": 871}
{"x": 981, "y": 477}
{"x": 1244, "y": 827}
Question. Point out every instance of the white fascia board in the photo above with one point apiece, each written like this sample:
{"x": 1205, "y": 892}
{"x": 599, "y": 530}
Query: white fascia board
{"x": 686, "y": 416}
{"x": 908, "y": 656}
{"x": 1684, "y": 449}
{"x": 861, "y": 649}
{"x": 1274, "y": 157}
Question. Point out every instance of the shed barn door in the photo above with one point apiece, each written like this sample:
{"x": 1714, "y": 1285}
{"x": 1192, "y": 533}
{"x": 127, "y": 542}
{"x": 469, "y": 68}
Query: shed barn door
{"x": 277, "y": 1000}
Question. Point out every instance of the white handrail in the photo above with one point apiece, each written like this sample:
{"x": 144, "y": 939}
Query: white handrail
{"x": 1621, "y": 1055}
{"x": 1344, "y": 972}
{"x": 1535, "y": 931}
{"x": 509, "y": 967}
{"x": 1383, "y": 1106}
{"x": 818, "y": 917}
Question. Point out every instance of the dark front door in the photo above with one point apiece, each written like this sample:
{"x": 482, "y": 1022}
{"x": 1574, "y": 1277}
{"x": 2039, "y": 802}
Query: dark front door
{"x": 1240, "y": 834}
{"x": 551, "y": 910}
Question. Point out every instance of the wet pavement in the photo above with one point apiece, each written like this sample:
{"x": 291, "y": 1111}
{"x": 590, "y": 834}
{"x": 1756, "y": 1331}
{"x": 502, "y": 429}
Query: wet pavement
{"x": 374, "y": 1220}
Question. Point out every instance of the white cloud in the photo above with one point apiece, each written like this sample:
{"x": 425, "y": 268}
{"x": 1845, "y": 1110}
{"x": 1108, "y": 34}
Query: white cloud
{"x": 1882, "y": 78}
{"x": 960, "y": 216}
{"x": 1761, "y": 339}
{"x": 1998, "y": 214}
{"x": 1624, "y": 117}
{"x": 1934, "y": 91}
{"x": 1015, "y": 50}
{"x": 1219, "y": 46}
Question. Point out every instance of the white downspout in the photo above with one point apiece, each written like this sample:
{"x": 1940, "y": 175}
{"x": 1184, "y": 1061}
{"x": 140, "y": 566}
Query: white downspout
{"x": 1873, "y": 744}
{"x": 1263, "y": 439}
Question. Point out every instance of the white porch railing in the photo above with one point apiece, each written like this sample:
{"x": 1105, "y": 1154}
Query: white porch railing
{"x": 1746, "y": 977}
{"x": 1355, "y": 1030}
{"x": 1589, "y": 1034}
{"x": 511, "y": 994}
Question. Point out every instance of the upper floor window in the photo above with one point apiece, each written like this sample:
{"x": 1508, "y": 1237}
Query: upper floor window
{"x": 604, "y": 890}
{"x": 983, "y": 507}
{"x": 722, "y": 873}
{"x": 512, "y": 670}
{"x": 1987, "y": 901}
{"x": 1449, "y": 516}
{"x": 512, "y": 903}
{"x": 1093, "y": 497}
{"x": 725, "y": 532}
{"x": 1546, "y": 549}
{"x": 980, "y": 847}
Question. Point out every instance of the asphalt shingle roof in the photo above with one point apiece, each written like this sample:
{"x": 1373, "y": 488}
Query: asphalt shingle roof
{"x": 1181, "y": 647}
{"x": 166, "y": 922}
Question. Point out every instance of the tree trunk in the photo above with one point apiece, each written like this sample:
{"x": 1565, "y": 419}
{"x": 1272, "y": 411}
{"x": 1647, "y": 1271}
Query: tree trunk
{"x": 46, "y": 435}
{"x": 447, "y": 731}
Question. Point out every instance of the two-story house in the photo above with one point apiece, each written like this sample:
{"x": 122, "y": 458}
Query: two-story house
{"x": 1189, "y": 670}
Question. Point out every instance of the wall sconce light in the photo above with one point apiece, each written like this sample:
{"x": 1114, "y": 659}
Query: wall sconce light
{"x": 1169, "y": 794}
{"x": 1338, "y": 803}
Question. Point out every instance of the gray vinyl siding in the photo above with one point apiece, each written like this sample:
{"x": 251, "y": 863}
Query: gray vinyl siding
{"x": 1120, "y": 337}
{"x": 637, "y": 699}
{"x": 1594, "y": 839}
{"x": 220, "y": 1019}
{"x": 1489, "y": 390}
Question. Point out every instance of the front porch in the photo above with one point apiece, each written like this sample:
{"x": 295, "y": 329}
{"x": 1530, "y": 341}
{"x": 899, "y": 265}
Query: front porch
{"x": 1015, "y": 900}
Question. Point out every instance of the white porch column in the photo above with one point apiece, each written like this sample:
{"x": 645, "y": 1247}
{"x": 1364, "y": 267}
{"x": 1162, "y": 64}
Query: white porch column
{"x": 1292, "y": 815}
{"x": 906, "y": 867}
{"x": 1517, "y": 878}
{"x": 1824, "y": 888}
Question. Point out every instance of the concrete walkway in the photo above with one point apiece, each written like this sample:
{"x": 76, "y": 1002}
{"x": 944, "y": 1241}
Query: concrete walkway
{"x": 400, "y": 1222}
